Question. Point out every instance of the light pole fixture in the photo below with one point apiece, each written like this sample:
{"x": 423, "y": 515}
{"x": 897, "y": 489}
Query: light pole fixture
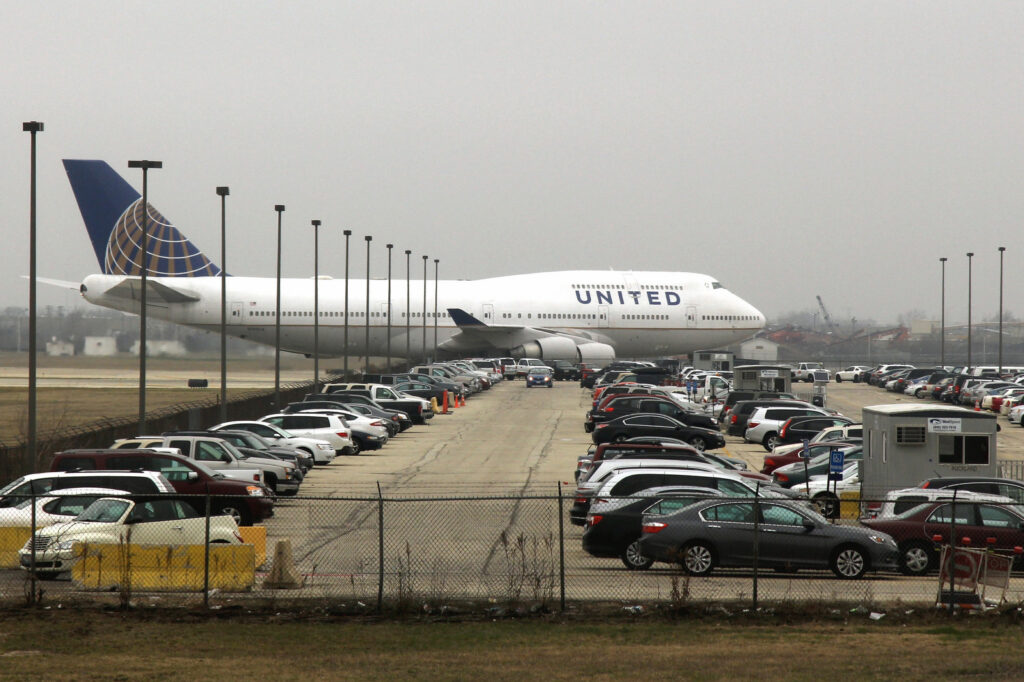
{"x": 408, "y": 312}
{"x": 942, "y": 337}
{"x": 366, "y": 364}
{"x": 316, "y": 306}
{"x": 969, "y": 297}
{"x": 348, "y": 234}
{"x": 277, "y": 316}
{"x": 32, "y": 127}
{"x": 1002, "y": 250}
{"x": 388, "y": 313}
{"x": 436, "y": 261}
{"x": 223, "y": 193}
{"x": 424, "y": 307}
{"x": 145, "y": 165}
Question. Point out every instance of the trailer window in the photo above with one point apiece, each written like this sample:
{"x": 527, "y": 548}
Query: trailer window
{"x": 963, "y": 450}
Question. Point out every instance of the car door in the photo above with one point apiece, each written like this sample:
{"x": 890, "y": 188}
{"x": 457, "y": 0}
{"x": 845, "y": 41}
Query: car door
{"x": 786, "y": 540}
{"x": 964, "y": 520}
{"x": 730, "y": 528}
{"x": 156, "y": 522}
{"x": 1003, "y": 525}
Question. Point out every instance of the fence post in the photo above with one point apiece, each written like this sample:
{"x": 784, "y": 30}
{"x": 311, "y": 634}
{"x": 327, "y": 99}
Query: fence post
{"x": 32, "y": 544}
{"x": 757, "y": 535}
{"x": 561, "y": 550}
{"x": 380, "y": 549}
{"x": 206, "y": 553}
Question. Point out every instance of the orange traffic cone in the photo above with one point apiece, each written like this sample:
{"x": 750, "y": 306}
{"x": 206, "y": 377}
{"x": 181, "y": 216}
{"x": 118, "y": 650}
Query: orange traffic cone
{"x": 444, "y": 409}
{"x": 977, "y": 406}
{"x": 463, "y": 400}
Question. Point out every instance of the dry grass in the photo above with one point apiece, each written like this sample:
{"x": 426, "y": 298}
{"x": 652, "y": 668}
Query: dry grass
{"x": 97, "y": 645}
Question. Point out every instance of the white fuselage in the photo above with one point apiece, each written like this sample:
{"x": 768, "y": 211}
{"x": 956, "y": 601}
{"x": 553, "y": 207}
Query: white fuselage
{"x": 639, "y": 314}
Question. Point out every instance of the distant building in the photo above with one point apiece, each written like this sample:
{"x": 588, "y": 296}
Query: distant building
{"x": 56, "y": 347}
{"x": 99, "y": 345}
{"x": 924, "y": 327}
{"x": 760, "y": 349}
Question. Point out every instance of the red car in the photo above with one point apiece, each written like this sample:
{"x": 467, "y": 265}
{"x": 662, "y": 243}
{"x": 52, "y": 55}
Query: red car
{"x": 773, "y": 462}
{"x": 994, "y": 525}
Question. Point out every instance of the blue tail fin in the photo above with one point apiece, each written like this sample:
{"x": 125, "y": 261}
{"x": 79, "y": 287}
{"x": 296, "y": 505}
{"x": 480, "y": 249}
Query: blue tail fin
{"x": 112, "y": 211}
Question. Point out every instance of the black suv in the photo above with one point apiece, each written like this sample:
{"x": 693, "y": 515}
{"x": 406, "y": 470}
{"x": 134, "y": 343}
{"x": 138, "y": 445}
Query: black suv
{"x": 564, "y": 370}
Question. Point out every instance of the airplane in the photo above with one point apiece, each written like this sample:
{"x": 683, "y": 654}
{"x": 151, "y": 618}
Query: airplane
{"x": 579, "y": 315}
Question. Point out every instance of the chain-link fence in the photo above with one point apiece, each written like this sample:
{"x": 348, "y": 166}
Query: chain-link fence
{"x": 386, "y": 552}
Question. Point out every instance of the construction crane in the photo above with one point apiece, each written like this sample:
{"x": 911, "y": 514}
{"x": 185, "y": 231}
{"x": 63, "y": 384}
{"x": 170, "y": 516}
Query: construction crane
{"x": 826, "y": 316}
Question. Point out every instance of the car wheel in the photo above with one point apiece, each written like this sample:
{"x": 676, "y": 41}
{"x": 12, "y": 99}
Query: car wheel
{"x": 839, "y": 379}
{"x": 827, "y": 504}
{"x": 356, "y": 447}
{"x": 698, "y": 443}
{"x": 698, "y": 558}
{"x": 809, "y": 380}
{"x": 856, "y": 378}
{"x": 771, "y": 441}
{"x": 849, "y": 562}
{"x": 633, "y": 559}
{"x": 239, "y": 514}
{"x": 916, "y": 558}
{"x": 919, "y": 393}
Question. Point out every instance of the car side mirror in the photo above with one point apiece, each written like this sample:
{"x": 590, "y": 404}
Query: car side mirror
{"x": 226, "y": 459}
{"x": 192, "y": 476}
{"x": 809, "y": 525}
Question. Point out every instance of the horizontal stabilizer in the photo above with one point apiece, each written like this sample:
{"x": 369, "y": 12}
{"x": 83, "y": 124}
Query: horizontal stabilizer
{"x": 63, "y": 284}
{"x": 130, "y": 288}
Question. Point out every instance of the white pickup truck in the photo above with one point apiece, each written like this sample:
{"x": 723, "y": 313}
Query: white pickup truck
{"x": 804, "y": 371}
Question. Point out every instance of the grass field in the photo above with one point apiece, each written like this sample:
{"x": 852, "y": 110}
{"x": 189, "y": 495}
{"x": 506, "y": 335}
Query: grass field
{"x": 88, "y": 645}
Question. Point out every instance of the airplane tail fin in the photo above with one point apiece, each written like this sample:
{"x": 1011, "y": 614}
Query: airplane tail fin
{"x": 112, "y": 211}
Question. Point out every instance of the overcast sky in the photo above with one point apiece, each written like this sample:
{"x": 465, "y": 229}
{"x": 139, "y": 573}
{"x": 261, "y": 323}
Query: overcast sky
{"x": 787, "y": 148}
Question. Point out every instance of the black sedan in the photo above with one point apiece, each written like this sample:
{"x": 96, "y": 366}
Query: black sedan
{"x": 613, "y": 525}
{"x": 721, "y": 533}
{"x": 632, "y": 425}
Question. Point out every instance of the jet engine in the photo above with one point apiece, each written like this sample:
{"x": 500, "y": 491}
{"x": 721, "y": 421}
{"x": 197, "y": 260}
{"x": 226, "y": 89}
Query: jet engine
{"x": 594, "y": 352}
{"x": 548, "y": 348}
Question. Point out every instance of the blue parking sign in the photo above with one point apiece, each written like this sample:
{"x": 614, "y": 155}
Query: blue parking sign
{"x": 805, "y": 452}
{"x": 835, "y": 462}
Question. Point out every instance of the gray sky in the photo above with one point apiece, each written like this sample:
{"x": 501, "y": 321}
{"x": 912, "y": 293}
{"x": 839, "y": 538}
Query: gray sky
{"x": 787, "y": 148}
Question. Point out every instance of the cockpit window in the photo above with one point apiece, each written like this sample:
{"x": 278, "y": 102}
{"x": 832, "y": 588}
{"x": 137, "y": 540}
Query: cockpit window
{"x": 716, "y": 285}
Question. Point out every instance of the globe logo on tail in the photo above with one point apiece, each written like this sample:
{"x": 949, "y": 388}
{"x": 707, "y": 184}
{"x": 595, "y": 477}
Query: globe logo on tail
{"x": 170, "y": 254}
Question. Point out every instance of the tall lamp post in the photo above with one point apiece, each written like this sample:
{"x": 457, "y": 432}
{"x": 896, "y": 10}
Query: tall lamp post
{"x": 424, "y": 307}
{"x": 436, "y": 261}
{"x": 408, "y": 312}
{"x": 316, "y": 306}
{"x": 277, "y": 316}
{"x": 969, "y": 298}
{"x": 942, "y": 337}
{"x": 390, "y": 246}
{"x": 223, "y": 193}
{"x": 32, "y": 127}
{"x": 145, "y": 165}
{"x": 348, "y": 234}
{"x": 366, "y": 364}
{"x": 1002, "y": 249}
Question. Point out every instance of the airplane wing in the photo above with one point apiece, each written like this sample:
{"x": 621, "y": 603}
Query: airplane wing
{"x": 475, "y": 334}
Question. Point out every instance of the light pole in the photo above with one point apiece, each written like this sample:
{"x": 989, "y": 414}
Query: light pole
{"x": 408, "y": 312}
{"x": 424, "y": 307}
{"x": 942, "y": 337}
{"x": 366, "y": 364}
{"x": 436, "y": 261}
{"x": 145, "y": 165}
{"x": 223, "y": 193}
{"x": 316, "y": 306}
{"x": 32, "y": 127}
{"x": 969, "y": 297}
{"x": 1002, "y": 249}
{"x": 347, "y": 233}
{"x": 390, "y": 246}
{"x": 277, "y": 316}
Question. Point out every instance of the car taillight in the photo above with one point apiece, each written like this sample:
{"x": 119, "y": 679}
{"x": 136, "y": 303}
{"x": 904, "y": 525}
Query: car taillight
{"x": 654, "y": 526}
{"x": 377, "y": 423}
{"x": 593, "y": 519}
{"x": 581, "y": 500}
{"x": 782, "y": 431}
{"x": 607, "y": 409}
{"x": 781, "y": 478}
{"x": 342, "y": 434}
{"x": 926, "y": 484}
{"x": 733, "y": 418}
{"x": 752, "y": 425}
{"x": 769, "y": 462}
{"x": 600, "y": 426}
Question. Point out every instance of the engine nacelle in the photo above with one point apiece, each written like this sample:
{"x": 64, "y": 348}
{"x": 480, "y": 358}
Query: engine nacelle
{"x": 548, "y": 348}
{"x": 596, "y": 353}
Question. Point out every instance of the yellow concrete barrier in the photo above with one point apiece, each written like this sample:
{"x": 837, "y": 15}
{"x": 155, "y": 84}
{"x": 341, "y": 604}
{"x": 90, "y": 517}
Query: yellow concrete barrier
{"x": 257, "y": 537}
{"x": 849, "y": 505}
{"x": 11, "y": 540}
{"x": 164, "y": 567}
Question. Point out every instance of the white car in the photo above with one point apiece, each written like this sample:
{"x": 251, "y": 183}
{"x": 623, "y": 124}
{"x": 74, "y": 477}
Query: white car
{"x": 367, "y": 433}
{"x": 57, "y": 506}
{"x": 1016, "y": 414}
{"x": 328, "y": 427}
{"x": 319, "y": 449}
{"x": 852, "y": 373}
{"x": 903, "y": 500}
{"x": 148, "y": 520}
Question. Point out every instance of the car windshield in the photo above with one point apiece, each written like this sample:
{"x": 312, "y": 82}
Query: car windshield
{"x": 106, "y": 510}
